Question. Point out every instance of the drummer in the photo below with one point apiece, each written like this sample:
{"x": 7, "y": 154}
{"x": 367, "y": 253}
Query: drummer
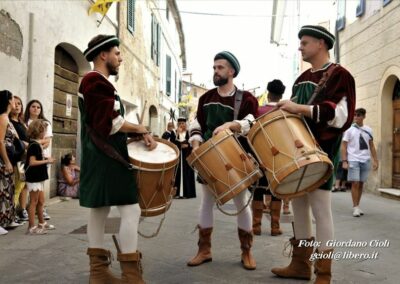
{"x": 106, "y": 182}
{"x": 275, "y": 90}
{"x": 215, "y": 113}
{"x": 328, "y": 116}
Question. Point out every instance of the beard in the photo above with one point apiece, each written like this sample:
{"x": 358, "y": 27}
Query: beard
{"x": 113, "y": 70}
{"x": 219, "y": 81}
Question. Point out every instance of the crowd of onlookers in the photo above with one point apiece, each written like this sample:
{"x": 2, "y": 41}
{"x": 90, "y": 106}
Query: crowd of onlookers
{"x": 25, "y": 139}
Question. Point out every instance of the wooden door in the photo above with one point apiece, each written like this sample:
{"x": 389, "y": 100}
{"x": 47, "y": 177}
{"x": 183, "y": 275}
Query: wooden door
{"x": 65, "y": 111}
{"x": 396, "y": 144}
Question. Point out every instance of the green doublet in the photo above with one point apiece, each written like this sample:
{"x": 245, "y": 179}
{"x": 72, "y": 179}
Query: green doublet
{"x": 103, "y": 180}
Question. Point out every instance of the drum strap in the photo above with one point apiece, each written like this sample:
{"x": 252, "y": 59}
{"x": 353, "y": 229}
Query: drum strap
{"x": 322, "y": 82}
{"x": 107, "y": 148}
{"x": 238, "y": 102}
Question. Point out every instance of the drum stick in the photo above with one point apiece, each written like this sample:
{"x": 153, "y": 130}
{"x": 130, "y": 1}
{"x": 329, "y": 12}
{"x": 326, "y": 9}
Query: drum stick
{"x": 142, "y": 116}
{"x": 116, "y": 243}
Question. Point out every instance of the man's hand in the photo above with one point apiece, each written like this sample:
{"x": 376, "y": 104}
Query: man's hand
{"x": 195, "y": 144}
{"x": 149, "y": 141}
{"x": 345, "y": 165}
{"x": 292, "y": 107}
{"x": 375, "y": 165}
{"x": 227, "y": 125}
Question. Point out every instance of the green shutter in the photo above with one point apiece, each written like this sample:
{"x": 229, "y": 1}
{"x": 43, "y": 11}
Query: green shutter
{"x": 131, "y": 15}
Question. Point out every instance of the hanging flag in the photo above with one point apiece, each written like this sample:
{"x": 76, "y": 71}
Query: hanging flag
{"x": 262, "y": 99}
{"x": 101, "y": 6}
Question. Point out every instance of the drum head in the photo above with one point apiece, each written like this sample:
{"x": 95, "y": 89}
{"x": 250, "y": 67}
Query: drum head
{"x": 162, "y": 154}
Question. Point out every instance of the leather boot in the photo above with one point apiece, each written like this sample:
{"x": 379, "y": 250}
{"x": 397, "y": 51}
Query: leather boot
{"x": 246, "y": 241}
{"x": 300, "y": 265}
{"x": 275, "y": 217}
{"x": 204, "y": 253}
{"x": 131, "y": 267}
{"x": 322, "y": 268}
{"x": 100, "y": 259}
{"x": 257, "y": 216}
{"x": 267, "y": 202}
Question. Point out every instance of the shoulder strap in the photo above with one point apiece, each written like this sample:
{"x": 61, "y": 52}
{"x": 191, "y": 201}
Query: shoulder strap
{"x": 107, "y": 148}
{"x": 322, "y": 82}
{"x": 238, "y": 102}
{"x": 363, "y": 130}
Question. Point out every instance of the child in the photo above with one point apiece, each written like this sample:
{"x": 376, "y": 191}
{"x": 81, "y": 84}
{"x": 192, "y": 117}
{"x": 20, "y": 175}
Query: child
{"x": 36, "y": 174}
{"x": 68, "y": 184}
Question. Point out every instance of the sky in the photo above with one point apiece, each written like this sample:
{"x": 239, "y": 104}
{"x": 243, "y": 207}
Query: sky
{"x": 244, "y": 31}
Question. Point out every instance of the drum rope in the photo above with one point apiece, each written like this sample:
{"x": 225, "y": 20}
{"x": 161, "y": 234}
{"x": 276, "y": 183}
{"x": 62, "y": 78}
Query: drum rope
{"x": 155, "y": 234}
{"x": 244, "y": 207}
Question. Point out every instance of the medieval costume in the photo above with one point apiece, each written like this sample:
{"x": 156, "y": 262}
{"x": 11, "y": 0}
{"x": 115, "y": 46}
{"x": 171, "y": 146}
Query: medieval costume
{"x": 184, "y": 180}
{"x": 213, "y": 111}
{"x": 331, "y": 114}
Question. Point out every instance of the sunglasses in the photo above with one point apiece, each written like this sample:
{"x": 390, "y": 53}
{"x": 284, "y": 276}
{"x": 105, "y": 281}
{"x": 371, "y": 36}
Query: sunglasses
{"x": 358, "y": 114}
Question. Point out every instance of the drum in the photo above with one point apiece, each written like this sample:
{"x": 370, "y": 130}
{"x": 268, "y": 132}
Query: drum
{"x": 288, "y": 153}
{"x": 223, "y": 164}
{"x": 154, "y": 173}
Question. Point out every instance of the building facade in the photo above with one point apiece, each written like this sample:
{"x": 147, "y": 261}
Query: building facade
{"x": 41, "y": 55}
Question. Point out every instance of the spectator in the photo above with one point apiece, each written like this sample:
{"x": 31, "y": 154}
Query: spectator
{"x": 170, "y": 133}
{"x": 17, "y": 119}
{"x": 34, "y": 110}
{"x": 68, "y": 184}
{"x": 341, "y": 178}
{"x": 7, "y": 134}
{"x": 36, "y": 174}
{"x": 184, "y": 180}
{"x": 357, "y": 149}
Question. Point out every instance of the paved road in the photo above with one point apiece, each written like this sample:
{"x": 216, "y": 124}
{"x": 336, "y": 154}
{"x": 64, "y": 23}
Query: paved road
{"x": 59, "y": 257}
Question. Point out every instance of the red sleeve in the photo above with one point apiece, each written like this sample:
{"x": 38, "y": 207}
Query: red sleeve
{"x": 99, "y": 101}
{"x": 341, "y": 84}
{"x": 249, "y": 105}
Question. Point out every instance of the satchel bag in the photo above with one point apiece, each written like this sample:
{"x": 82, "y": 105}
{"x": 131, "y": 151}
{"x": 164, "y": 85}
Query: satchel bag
{"x": 15, "y": 150}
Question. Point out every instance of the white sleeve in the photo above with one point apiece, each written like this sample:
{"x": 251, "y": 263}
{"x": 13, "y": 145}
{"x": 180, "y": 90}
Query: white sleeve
{"x": 49, "y": 131}
{"x": 195, "y": 132}
{"x": 341, "y": 114}
{"x": 117, "y": 124}
{"x": 245, "y": 124}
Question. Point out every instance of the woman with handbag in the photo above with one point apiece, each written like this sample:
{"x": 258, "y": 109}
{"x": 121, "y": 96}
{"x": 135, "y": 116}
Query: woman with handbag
{"x": 16, "y": 117}
{"x": 7, "y": 134}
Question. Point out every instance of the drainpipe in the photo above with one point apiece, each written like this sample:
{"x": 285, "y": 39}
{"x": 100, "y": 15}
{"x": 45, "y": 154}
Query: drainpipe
{"x": 30, "y": 56}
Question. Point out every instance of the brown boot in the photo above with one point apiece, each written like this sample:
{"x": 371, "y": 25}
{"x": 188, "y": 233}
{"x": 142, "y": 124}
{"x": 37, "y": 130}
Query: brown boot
{"x": 257, "y": 216}
{"x": 100, "y": 259}
{"x": 322, "y": 268}
{"x": 131, "y": 267}
{"x": 275, "y": 217}
{"x": 267, "y": 202}
{"x": 300, "y": 265}
{"x": 246, "y": 241}
{"x": 286, "y": 210}
{"x": 204, "y": 253}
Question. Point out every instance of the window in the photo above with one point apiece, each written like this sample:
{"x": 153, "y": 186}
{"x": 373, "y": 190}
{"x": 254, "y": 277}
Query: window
{"x": 167, "y": 12}
{"x": 341, "y": 18}
{"x": 155, "y": 40}
{"x": 360, "y": 8}
{"x": 131, "y": 16}
{"x": 396, "y": 91}
{"x": 168, "y": 75}
{"x": 176, "y": 89}
{"x": 385, "y": 2}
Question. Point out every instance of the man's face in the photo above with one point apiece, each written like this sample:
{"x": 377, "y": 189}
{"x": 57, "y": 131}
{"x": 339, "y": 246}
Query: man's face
{"x": 222, "y": 72}
{"x": 113, "y": 60}
{"x": 359, "y": 118}
{"x": 310, "y": 47}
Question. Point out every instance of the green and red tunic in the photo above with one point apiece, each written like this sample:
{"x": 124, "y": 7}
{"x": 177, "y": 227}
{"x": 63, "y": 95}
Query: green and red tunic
{"x": 103, "y": 180}
{"x": 338, "y": 93}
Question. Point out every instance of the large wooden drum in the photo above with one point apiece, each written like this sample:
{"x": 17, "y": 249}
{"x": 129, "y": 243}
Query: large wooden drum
{"x": 288, "y": 153}
{"x": 154, "y": 172}
{"x": 226, "y": 168}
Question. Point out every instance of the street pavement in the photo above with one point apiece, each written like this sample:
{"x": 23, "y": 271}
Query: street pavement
{"x": 60, "y": 256}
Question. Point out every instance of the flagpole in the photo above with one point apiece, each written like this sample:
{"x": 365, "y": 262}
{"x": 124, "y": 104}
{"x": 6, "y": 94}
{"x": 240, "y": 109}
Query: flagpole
{"x": 99, "y": 22}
